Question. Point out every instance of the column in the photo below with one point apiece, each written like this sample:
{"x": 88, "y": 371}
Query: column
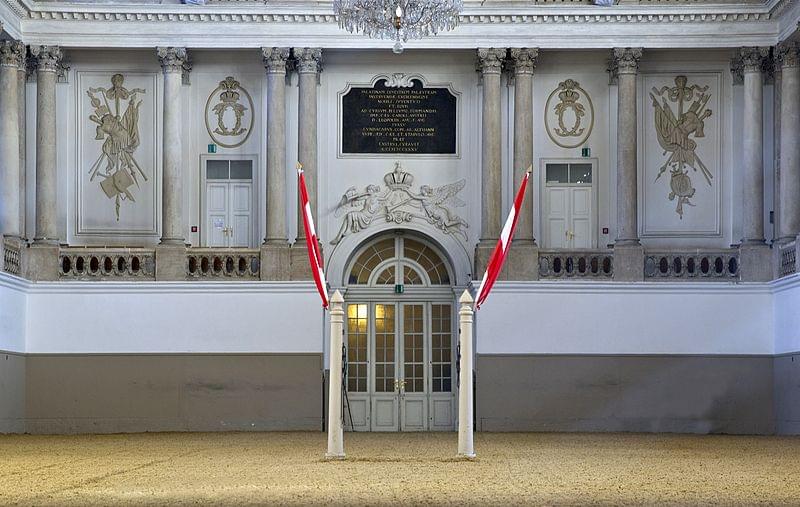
{"x": 490, "y": 63}
{"x": 48, "y": 59}
{"x": 524, "y": 60}
{"x": 789, "y": 62}
{"x": 22, "y": 80}
{"x": 172, "y": 63}
{"x": 754, "y": 252}
{"x": 275, "y": 64}
{"x": 335, "y": 387}
{"x": 275, "y": 253}
{"x": 11, "y": 52}
{"x": 308, "y": 68}
{"x": 626, "y": 63}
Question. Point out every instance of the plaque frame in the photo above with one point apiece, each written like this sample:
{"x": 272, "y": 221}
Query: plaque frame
{"x": 399, "y": 78}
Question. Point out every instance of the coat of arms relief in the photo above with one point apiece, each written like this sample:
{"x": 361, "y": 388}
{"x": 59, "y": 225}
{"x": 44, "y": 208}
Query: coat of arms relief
{"x": 398, "y": 203}
{"x": 569, "y": 120}
{"x": 229, "y": 114}
{"x": 116, "y": 166}
{"x": 677, "y": 132}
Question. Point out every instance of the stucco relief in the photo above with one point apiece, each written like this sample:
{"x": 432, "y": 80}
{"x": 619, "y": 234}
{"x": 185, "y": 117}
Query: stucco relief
{"x": 116, "y": 167}
{"x": 677, "y": 135}
{"x": 569, "y": 115}
{"x": 399, "y": 204}
{"x": 229, "y": 114}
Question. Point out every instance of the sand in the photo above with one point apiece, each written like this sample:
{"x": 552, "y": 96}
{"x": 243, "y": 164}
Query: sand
{"x": 382, "y": 469}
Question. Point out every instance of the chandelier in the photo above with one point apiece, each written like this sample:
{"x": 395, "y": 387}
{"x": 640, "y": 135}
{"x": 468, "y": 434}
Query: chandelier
{"x": 398, "y": 20}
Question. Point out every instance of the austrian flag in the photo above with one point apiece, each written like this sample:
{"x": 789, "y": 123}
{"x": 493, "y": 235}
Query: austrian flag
{"x": 312, "y": 242}
{"x": 499, "y": 253}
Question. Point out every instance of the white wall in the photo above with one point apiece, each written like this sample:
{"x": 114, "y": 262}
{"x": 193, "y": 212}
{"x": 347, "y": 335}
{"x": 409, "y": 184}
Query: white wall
{"x": 12, "y": 313}
{"x": 787, "y": 315}
{"x": 637, "y": 318}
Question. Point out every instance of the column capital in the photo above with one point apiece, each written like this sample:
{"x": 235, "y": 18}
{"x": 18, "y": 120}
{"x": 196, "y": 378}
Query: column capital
{"x": 309, "y": 60}
{"x": 752, "y": 58}
{"x": 173, "y": 59}
{"x": 490, "y": 60}
{"x": 12, "y": 53}
{"x": 625, "y": 61}
{"x": 48, "y": 58}
{"x": 275, "y": 59}
{"x": 787, "y": 55}
{"x": 524, "y": 60}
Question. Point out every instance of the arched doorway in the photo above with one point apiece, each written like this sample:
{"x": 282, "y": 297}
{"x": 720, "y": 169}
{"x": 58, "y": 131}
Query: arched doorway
{"x": 400, "y": 337}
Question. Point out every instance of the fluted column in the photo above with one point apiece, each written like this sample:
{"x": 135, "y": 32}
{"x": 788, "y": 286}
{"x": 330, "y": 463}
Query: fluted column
{"x": 22, "y": 79}
{"x": 48, "y": 59}
{"x": 490, "y": 64}
{"x": 11, "y": 53}
{"x": 752, "y": 144}
{"x": 172, "y": 62}
{"x": 626, "y": 63}
{"x": 308, "y": 68}
{"x": 275, "y": 64}
{"x": 789, "y": 62}
{"x": 524, "y": 60}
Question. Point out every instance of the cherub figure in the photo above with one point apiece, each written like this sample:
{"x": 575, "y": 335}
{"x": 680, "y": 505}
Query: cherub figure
{"x": 359, "y": 209}
{"x": 434, "y": 202}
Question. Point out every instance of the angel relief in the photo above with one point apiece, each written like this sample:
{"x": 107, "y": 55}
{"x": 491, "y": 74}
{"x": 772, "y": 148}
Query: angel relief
{"x": 675, "y": 133}
{"x": 399, "y": 204}
{"x": 116, "y": 165}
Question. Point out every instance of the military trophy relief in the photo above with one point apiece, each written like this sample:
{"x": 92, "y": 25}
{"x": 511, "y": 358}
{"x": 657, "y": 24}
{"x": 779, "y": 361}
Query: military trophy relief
{"x": 569, "y": 115}
{"x": 398, "y": 203}
{"x": 680, "y": 112}
{"x": 229, "y": 114}
{"x": 115, "y": 110}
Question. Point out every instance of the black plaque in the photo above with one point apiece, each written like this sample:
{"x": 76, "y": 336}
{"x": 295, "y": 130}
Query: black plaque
{"x": 399, "y": 120}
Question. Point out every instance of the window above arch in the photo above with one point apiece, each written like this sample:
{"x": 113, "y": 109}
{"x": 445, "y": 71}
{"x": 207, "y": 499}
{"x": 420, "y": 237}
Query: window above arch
{"x": 399, "y": 260}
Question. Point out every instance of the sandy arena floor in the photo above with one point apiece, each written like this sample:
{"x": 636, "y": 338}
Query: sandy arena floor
{"x": 287, "y": 468}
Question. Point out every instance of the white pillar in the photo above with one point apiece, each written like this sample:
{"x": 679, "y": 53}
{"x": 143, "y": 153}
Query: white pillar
{"x": 308, "y": 67}
{"x": 11, "y": 52}
{"x": 626, "y": 65}
{"x": 752, "y": 144}
{"x": 524, "y": 62}
{"x": 173, "y": 62}
{"x": 48, "y": 59}
{"x": 789, "y": 61}
{"x": 335, "y": 430}
{"x": 490, "y": 62}
{"x": 22, "y": 79}
{"x": 275, "y": 63}
{"x": 466, "y": 447}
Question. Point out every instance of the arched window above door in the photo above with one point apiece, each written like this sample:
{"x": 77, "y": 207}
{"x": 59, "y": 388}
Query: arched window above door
{"x": 399, "y": 260}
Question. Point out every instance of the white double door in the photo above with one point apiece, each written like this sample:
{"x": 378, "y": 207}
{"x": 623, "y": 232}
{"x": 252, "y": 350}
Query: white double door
{"x": 568, "y": 217}
{"x": 229, "y": 213}
{"x": 400, "y": 367}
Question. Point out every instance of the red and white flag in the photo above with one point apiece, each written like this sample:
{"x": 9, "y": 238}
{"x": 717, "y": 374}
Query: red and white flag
{"x": 314, "y": 255}
{"x": 499, "y": 254}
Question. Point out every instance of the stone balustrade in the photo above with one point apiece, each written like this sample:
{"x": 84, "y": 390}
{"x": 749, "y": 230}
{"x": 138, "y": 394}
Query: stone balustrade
{"x": 697, "y": 265}
{"x": 562, "y": 264}
{"x": 223, "y": 264}
{"x": 106, "y": 263}
{"x": 787, "y": 259}
{"x": 12, "y": 257}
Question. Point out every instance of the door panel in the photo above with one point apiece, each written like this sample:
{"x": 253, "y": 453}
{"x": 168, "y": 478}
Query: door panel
{"x": 385, "y": 415}
{"x": 556, "y": 220}
{"x": 442, "y": 356}
{"x": 357, "y": 367}
{"x": 581, "y": 216}
{"x": 413, "y": 394}
{"x": 217, "y": 214}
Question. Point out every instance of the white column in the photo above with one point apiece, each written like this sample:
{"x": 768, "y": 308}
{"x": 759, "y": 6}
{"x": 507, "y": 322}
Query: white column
{"x": 752, "y": 144}
{"x": 11, "y": 52}
{"x": 626, "y": 65}
{"x": 22, "y": 80}
{"x": 490, "y": 63}
{"x": 335, "y": 430}
{"x": 48, "y": 59}
{"x": 275, "y": 64}
{"x": 173, "y": 61}
{"x": 524, "y": 60}
{"x": 308, "y": 67}
{"x": 789, "y": 61}
{"x": 466, "y": 447}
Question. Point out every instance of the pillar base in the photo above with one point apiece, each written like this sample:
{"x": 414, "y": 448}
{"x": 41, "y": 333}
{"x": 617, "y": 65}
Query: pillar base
{"x": 170, "y": 262}
{"x": 466, "y": 457}
{"x": 40, "y": 262}
{"x": 628, "y": 262}
{"x": 300, "y": 269}
{"x": 334, "y": 457}
{"x": 482, "y": 253}
{"x": 755, "y": 261}
{"x": 522, "y": 262}
{"x": 276, "y": 261}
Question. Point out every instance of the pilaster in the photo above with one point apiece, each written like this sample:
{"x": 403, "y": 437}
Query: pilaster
{"x": 788, "y": 61}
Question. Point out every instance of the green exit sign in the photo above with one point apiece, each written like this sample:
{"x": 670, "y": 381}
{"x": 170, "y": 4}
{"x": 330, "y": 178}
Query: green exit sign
{"x": 399, "y": 289}
{"x": 586, "y": 152}
{"x": 212, "y": 148}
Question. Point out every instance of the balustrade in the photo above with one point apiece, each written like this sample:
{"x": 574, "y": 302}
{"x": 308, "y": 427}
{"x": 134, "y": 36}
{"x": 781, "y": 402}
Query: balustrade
{"x": 90, "y": 263}
{"x": 11, "y": 257}
{"x": 716, "y": 265}
{"x": 560, "y": 264}
{"x": 238, "y": 263}
{"x": 788, "y": 259}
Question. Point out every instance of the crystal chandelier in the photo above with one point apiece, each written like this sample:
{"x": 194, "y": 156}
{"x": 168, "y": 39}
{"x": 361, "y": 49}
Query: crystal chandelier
{"x": 398, "y": 20}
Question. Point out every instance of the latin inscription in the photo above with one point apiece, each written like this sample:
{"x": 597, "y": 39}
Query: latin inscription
{"x": 399, "y": 120}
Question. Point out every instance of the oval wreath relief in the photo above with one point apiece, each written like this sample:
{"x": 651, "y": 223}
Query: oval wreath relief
{"x": 229, "y": 121}
{"x": 569, "y": 115}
